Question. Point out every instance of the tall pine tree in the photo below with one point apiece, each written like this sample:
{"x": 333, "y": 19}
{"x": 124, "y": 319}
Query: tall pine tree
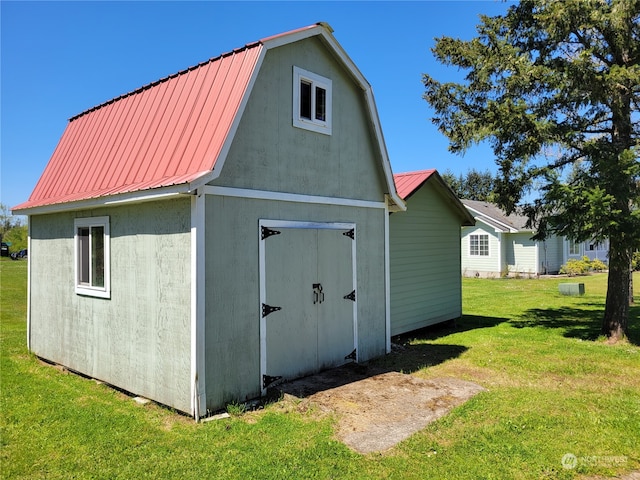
{"x": 554, "y": 87}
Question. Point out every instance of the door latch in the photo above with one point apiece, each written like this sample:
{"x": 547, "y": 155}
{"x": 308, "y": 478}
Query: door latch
{"x": 318, "y": 295}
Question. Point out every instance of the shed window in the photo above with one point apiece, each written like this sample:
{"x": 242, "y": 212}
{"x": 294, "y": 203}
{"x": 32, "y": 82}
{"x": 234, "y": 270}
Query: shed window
{"x": 479, "y": 245}
{"x": 92, "y": 256}
{"x": 311, "y": 101}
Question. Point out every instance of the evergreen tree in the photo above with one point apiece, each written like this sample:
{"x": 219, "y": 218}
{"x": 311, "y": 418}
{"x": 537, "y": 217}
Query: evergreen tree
{"x": 552, "y": 85}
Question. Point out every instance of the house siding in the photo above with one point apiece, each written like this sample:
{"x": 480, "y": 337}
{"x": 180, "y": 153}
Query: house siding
{"x": 232, "y": 363}
{"x": 489, "y": 265}
{"x": 137, "y": 340}
{"x": 425, "y": 260}
{"x": 551, "y": 255}
{"x": 520, "y": 253}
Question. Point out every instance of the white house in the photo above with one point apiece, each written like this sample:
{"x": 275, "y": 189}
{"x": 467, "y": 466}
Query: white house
{"x": 501, "y": 244}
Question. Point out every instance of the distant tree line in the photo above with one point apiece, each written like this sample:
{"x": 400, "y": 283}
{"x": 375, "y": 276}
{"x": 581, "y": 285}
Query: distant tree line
{"x": 473, "y": 185}
{"x": 12, "y": 229}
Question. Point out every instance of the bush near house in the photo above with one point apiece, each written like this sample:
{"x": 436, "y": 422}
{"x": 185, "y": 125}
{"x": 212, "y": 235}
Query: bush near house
{"x": 582, "y": 267}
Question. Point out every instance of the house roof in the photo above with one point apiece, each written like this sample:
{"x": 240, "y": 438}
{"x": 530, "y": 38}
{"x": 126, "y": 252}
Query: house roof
{"x": 410, "y": 182}
{"x": 170, "y": 136}
{"x": 495, "y": 217}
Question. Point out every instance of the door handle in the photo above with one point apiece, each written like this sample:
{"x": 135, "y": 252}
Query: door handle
{"x": 318, "y": 295}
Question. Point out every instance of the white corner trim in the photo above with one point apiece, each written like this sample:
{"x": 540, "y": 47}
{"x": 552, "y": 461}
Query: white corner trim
{"x": 289, "y": 197}
{"x": 29, "y": 276}
{"x": 198, "y": 384}
{"x": 387, "y": 279}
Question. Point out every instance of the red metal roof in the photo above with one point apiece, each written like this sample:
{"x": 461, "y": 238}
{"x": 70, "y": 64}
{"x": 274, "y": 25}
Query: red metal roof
{"x": 166, "y": 133}
{"x": 407, "y": 183}
{"x": 170, "y": 132}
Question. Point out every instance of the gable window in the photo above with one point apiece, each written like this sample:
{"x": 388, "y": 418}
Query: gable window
{"x": 92, "y": 256}
{"x": 479, "y": 245}
{"x": 311, "y": 101}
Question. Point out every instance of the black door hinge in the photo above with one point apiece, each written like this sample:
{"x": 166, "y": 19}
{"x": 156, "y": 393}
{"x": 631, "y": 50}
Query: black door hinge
{"x": 268, "y": 380}
{"x": 350, "y": 233}
{"x": 351, "y": 296}
{"x": 267, "y": 232}
{"x": 267, "y": 309}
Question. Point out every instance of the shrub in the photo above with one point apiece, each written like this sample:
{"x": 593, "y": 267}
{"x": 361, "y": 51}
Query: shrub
{"x": 583, "y": 266}
{"x": 635, "y": 261}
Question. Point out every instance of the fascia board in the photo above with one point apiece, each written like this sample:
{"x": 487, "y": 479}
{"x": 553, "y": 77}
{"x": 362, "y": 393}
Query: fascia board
{"x": 109, "y": 201}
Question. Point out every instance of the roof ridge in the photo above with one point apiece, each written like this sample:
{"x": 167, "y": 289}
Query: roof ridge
{"x": 167, "y": 78}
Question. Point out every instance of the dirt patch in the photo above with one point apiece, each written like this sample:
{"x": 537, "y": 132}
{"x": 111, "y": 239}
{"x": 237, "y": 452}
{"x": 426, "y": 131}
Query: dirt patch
{"x": 376, "y": 410}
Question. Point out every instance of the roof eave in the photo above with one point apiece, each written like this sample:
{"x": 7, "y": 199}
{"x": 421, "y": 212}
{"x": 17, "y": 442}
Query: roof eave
{"x": 162, "y": 193}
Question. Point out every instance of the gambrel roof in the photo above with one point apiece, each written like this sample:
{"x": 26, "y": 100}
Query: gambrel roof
{"x": 410, "y": 182}
{"x": 170, "y": 136}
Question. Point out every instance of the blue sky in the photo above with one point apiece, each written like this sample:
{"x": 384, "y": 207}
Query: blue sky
{"x": 61, "y": 58}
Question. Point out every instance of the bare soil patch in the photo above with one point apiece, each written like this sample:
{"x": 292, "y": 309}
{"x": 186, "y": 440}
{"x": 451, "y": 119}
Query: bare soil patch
{"x": 377, "y": 409}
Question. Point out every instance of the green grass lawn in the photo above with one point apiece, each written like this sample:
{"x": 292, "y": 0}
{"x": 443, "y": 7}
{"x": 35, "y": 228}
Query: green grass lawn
{"x": 553, "y": 388}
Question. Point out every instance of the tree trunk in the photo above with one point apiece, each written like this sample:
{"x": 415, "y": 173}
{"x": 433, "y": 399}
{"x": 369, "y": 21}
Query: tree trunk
{"x": 616, "y": 311}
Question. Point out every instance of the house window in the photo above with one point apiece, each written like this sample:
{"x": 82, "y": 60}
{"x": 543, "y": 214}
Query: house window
{"x": 574, "y": 247}
{"x": 92, "y": 256}
{"x": 479, "y": 245}
{"x": 311, "y": 101}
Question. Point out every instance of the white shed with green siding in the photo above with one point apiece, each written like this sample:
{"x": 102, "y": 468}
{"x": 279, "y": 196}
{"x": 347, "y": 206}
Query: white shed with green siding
{"x": 424, "y": 244}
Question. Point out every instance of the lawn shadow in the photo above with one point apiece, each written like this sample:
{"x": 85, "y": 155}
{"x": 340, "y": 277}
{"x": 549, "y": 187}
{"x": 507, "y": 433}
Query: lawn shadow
{"x": 581, "y": 323}
{"x": 403, "y": 359}
{"x": 409, "y": 353}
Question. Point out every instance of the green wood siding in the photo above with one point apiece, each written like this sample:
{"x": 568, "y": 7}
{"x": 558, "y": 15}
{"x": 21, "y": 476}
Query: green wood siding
{"x": 139, "y": 339}
{"x": 232, "y": 330}
{"x": 268, "y": 153}
{"x": 424, "y": 262}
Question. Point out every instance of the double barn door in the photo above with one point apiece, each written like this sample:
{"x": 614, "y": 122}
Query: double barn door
{"x": 307, "y": 298}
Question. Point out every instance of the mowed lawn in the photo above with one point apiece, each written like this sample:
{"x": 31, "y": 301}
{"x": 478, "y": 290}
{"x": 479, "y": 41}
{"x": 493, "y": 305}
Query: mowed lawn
{"x": 556, "y": 396}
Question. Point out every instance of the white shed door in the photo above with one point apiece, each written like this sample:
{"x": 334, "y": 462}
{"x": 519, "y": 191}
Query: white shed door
{"x": 309, "y": 324}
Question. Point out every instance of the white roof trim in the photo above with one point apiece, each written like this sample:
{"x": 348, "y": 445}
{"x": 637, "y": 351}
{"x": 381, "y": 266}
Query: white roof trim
{"x": 108, "y": 201}
{"x": 481, "y": 216}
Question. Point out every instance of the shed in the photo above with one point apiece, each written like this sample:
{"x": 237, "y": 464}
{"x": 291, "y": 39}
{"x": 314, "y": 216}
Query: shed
{"x": 424, "y": 241}
{"x": 211, "y": 233}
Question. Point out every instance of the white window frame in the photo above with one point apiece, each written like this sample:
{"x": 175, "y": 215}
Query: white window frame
{"x": 316, "y": 81}
{"x": 479, "y": 245}
{"x": 575, "y": 248}
{"x": 84, "y": 288}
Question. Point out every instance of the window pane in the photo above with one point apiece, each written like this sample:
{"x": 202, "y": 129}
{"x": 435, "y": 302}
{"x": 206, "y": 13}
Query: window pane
{"x": 83, "y": 255}
{"x": 97, "y": 256}
{"x": 321, "y": 104}
{"x": 305, "y": 100}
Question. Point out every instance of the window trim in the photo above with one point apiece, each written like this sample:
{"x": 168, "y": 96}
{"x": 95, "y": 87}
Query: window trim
{"x": 316, "y": 81}
{"x": 82, "y": 288}
{"x": 479, "y": 246}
